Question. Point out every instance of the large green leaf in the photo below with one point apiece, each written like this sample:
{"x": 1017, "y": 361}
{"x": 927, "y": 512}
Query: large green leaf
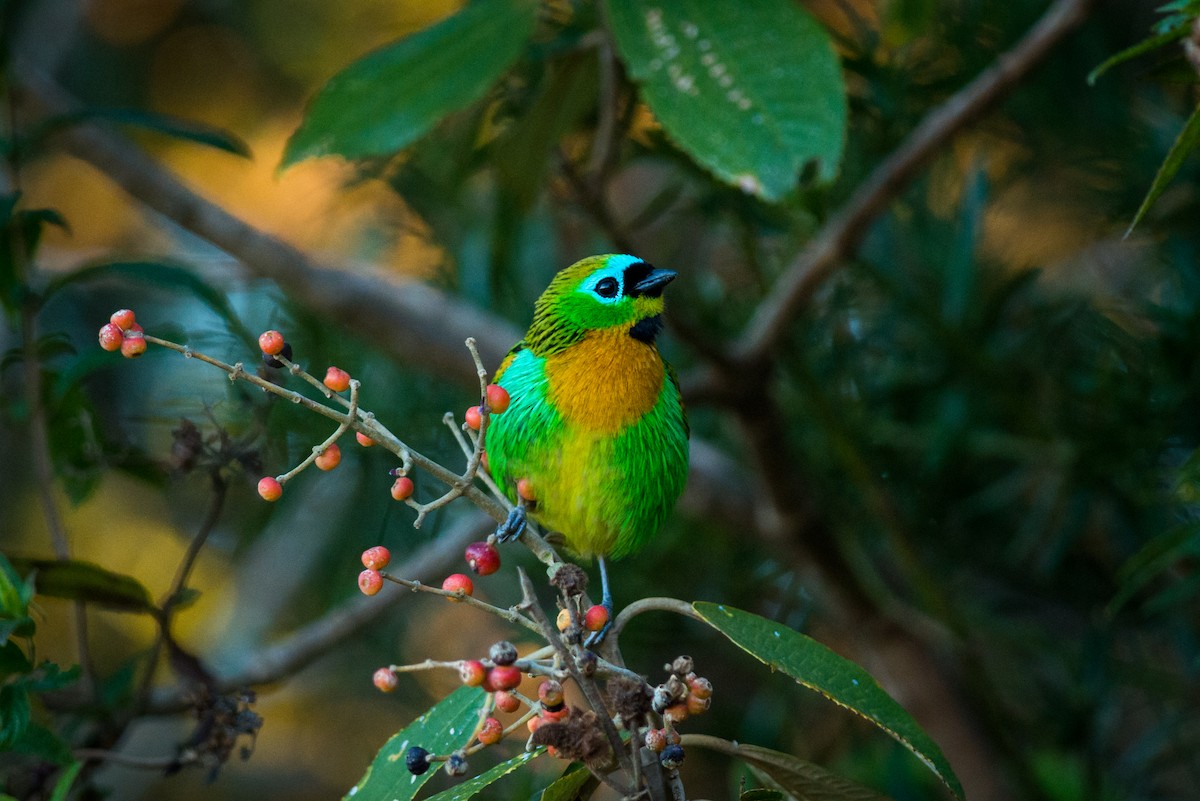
{"x": 1184, "y": 144}
{"x": 442, "y": 730}
{"x": 752, "y": 91}
{"x": 189, "y": 130}
{"x": 473, "y": 786}
{"x": 85, "y": 581}
{"x": 391, "y": 97}
{"x": 833, "y": 676}
{"x": 567, "y": 787}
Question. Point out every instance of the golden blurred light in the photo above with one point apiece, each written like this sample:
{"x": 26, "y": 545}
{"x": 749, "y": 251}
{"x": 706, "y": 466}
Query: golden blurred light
{"x": 206, "y": 73}
{"x": 129, "y": 22}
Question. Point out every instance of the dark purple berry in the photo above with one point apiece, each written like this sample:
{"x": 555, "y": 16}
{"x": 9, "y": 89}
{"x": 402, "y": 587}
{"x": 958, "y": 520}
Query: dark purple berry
{"x": 503, "y": 653}
{"x": 416, "y": 760}
{"x": 270, "y": 361}
{"x": 671, "y": 756}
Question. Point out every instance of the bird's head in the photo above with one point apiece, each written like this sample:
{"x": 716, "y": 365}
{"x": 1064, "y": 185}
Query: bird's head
{"x": 598, "y": 293}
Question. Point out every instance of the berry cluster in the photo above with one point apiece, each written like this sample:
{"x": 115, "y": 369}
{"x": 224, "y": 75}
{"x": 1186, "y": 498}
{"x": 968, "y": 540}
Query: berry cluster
{"x": 123, "y": 333}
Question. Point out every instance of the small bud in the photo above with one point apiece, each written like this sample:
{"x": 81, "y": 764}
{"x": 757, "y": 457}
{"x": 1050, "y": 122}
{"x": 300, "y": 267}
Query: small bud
{"x": 682, "y": 666}
{"x": 503, "y": 653}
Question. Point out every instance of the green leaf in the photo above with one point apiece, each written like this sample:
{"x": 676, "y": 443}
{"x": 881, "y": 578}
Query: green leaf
{"x": 1184, "y": 144}
{"x": 441, "y": 730}
{"x": 14, "y": 714}
{"x": 14, "y": 591}
{"x": 1144, "y": 46}
{"x": 165, "y": 276}
{"x": 472, "y": 787}
{"x": 84, "y": 581}
{"x": 13, "y": 661}
{"x": 175, "y": 127}
{"x": 761, "y": 794}
{"x": 833, "y": 676}
{"x": 49, "y": 676}
{"x": 804, "y": 780}
{"x": 753, "y": 120}
{"x": 568, "y": 786}
{"x": 393, "y": 96}
{"x": 22, "y": 626}
{"x": 40, "y": 742}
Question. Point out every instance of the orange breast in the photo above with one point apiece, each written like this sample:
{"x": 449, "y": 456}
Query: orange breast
{"x": 606, "y": 382}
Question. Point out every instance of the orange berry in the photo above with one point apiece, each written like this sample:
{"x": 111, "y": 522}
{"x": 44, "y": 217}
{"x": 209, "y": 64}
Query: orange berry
{"x": 506, "y": 702}
{"x": 595, "y": 618}
{"x": 337, "y": 379}
{"x": 330, "y": 458}
{"x": 564, "y": 620}
{"x": 385, "y": 679}
{"x": 271, "y": 342}
{"x": 525, "y": 490}
{"x": 269, "y": 489}
{"x": 402, "y": 488}
{"x": 472, "y": 672}
{"x": 533, "y": 724}
{"x": 700, "y": 686}
{"x": 550, "y": 692}
{"x": 697, "y": 705}
{"x": 111, "y": 336}
{"x": 123, "y": 319}
{"x": 363, "y": 439}
{"x": 491, "y": 731}
{"x": 370, "y": 581}
{"x": 376, "y": 558}
{"x": 133, "y": 345}
{"x": 473, "y": 418}
{"x": 676, "y": 713}
{"x": 555, "y": 715}
{"x": 459, "y": 582}
{"x": 497, "y": 398}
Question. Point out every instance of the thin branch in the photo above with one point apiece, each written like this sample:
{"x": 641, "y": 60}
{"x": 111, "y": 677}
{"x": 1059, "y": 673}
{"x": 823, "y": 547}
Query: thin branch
{"x": 643, "y": 605}
{"x": 840, "y": 237}
{"x": 470, "y": 600}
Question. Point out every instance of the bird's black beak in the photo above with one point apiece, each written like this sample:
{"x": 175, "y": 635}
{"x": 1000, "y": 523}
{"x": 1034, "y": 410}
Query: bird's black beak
{"x": 652, "y": 285}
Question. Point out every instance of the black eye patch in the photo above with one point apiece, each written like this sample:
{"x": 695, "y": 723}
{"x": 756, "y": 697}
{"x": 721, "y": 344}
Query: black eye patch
{"x": 637, "y": 272}
{"x": 607, "y": 287}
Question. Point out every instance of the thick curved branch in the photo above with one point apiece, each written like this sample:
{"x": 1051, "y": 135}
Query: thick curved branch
{"x": 840, "y": 237}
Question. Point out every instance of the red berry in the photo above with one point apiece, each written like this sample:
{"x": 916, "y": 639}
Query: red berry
{"x": 595, "y": 618}
{"x": 363, "y": 439}
{"x": 402, "y": 488}
{"x": 676, "y": 713}
{"x": 459, "y": 582}
{"x": 497, "y": 398}
{"x": 269, "y": 489}
{"x": 507, "y": 702}
{"x": 133, "y": 345}
{"x": 271, "y": 342}
{"x": 473, "y": 417}
{"x": 370, "y": 581}
{"x": 123, "y": 319}
{"x": 111, "y": 336}
{"x": 330, "y": 458}
{"x": 555, "y": 715}
{"x": 482, "y": 557}
{"x": 491, "y": 731}
{"x": 385, "y": 679}
{"x": 656, "y": 740}
{"x": 525, "y": 490}
{"x": 502, "y": 677}
{"x": 472, "y": 672}
{"x": 337, "y": 379}
{"x": 533, "y": 724}
{"x": 376, "y": 558}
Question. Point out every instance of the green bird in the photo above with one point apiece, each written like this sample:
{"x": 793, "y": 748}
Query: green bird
{"x": 596, "y": 425}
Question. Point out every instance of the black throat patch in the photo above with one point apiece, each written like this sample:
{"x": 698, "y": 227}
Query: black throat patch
{"x": 647, "y": 330}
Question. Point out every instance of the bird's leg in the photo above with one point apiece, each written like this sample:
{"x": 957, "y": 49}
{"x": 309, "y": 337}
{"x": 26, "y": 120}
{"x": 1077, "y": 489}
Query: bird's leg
{"x": 606, "y": 601}
{"x": 514, "y": 525}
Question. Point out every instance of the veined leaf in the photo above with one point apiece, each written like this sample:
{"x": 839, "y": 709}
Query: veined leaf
{"x": 1184, "y": 144}
{"x": 472, "y": 787}
{"x": 831, "y": 675}
{"x": 442, "y": 729}
{"x": 85, "y": 581}
{"x": 751, "y": 91}
{"x": 568, "y": 786}
{"x": 387, "y": 100}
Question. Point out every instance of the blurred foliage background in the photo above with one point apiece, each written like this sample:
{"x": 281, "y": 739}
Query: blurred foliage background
{"x": 986, "y": 420}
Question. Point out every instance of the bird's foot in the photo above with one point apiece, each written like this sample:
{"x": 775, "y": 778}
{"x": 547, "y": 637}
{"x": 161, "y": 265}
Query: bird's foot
{"x": 513, "y": 526}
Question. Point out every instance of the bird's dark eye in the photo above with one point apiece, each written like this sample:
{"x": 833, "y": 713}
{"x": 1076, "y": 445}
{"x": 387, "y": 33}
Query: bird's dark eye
{"x": 607, "y": 288}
